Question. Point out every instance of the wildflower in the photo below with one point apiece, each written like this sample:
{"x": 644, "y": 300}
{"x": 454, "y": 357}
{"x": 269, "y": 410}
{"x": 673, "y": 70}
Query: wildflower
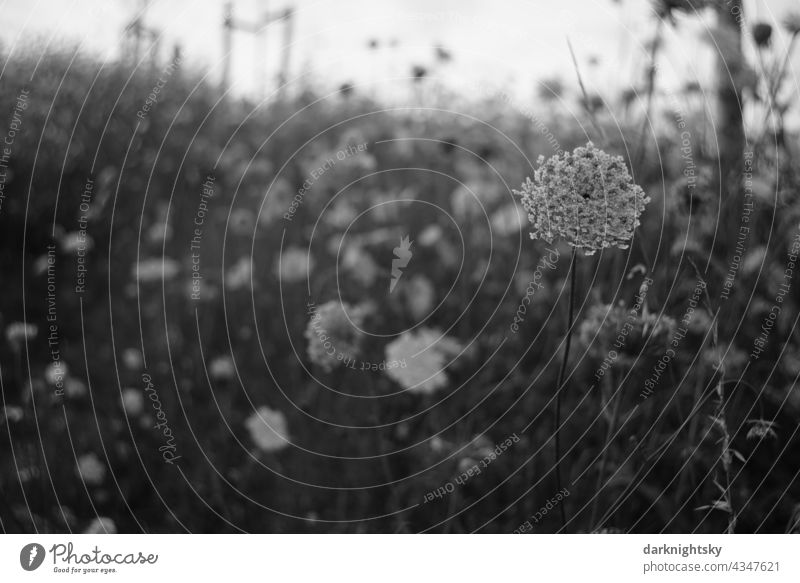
{"x": 295, "y": 264}
{"x": 56, "y": 372}
{"x": 334, "y": 334}
{"x": 420, "y": 296}
{"x": 268, "y": 429}
{"x": 508, "y": 220}
{"x": 359, "y": 263}
{"x": 91, "y": 469}
{"x": 221, "y": 368}
{"x": 624, "y": 332}
{"x": 13, "y": 414}
{"x": 153, "y": 269}
{"x": 132, "y": 402}
{"x": 761, "y": 428}
{"x": 101, "y": 525}
{"x": 132, "y": 358}
{"x": 19, "y": 333}
{"x": 426, "y": 353}
{"x": 239, "y": 275}
{"x": 75, "y": 388}
{"x": 242, "y": 222}
{"x": 762, "y": 34}
{"x": 792, "y": 23}
{"x": 586, "y": 197}
{"x": 74, "y": 241}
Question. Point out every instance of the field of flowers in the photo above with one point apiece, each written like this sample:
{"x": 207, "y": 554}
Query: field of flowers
{"x": 327, "y": 314}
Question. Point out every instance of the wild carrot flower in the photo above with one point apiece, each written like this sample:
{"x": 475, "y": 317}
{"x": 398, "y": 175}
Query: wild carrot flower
{"x": 333, "y": 333}
{"x": 761, "y": 429}
{"x": 132, "y": 402}
{"x": 222, "y": 368}
{"x": 425, "y": 355}
{"x": 268, "y": 429}
{"x": 587, "y": 197}
{"x": 19, "y": 333}
{"x": 624, "y": 332}
{"x": 101, "y": 525}
{"x": 91, "y": 469}
{"x": 792, "y": 23}
{"x": 762, "y": 34}
{"x": 295, "y": 265}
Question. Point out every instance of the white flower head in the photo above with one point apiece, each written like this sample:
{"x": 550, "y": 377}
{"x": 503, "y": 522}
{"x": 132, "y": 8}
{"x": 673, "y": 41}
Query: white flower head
{"x": 268, "y": 429}
{"x": 101, "y": 525}
{"x": 91, "y": 470}
{"x": 221, "y": 368}
{"x": 295, "y": 264}
{"x": 425, "y": 354}
{"x": 586, "y": 197}
{"x": 132, "y": 401}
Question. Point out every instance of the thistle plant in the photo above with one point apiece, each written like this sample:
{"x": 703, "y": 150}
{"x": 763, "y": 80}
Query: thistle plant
{"x": 588, "y": 199}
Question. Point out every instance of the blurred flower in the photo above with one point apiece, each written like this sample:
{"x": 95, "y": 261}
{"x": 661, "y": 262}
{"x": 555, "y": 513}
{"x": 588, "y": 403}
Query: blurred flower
{"x": 101, "y": 525}
{"x": 465, "y": 202}
{"x": 430, "y": 235}
{"x": 762, "y": 34}
{"x": 420, "y": 295}
{"x": 341, "y": 214}
{"x": 18, "y": 333}
{"x": 12, "y": 414}
{"x": 132, "y": 402}
{"x": 132, "y": 358}
{"x": 295, "y": 264}
{"x": 333, "y": 334}
{"x": 425, "y": 354}
{"x": 481, "y": 446}
{"x": 239, "y": 275}
{"x": 443, "y": 55}
{"x": 159, "y": 232}
{"x": 152, "y": 269}
{"x": 242, "y": 222}
{"x": 761, "y": 428}
{"x": 91, "y": 469}
{"x": 74, "y": 240}
{"x": 437, "y": 444}
{"x": 509, "y": 220}
{"x": 221, "y": 368}
{"x": 359, "y": 263}
{"x": 587, "y": 197}
{"x": 55, "y": 372}
{"x": 624, "y": 331}
{"x": 75, "y": 388}
{"x": 277, "y": 201}
{"x": 346, "y": 89}
{"x": 268, "y": 429}
{"x": 792, "y": 23}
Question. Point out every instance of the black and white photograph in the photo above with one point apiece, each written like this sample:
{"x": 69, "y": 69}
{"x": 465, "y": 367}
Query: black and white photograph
{"x": 302, "y": 267}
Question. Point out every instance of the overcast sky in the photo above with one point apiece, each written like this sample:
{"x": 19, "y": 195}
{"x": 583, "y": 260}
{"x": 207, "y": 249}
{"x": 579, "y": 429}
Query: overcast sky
{"x": 509, "y": 42}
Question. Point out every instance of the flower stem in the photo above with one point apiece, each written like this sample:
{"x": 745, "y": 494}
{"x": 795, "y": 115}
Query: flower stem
{"x": 570, "y": 322}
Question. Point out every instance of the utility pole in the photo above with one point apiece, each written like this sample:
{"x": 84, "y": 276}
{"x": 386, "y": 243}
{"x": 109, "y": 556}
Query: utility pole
{"x": 259, "y": 30}
{"x": 136, "y": 33}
